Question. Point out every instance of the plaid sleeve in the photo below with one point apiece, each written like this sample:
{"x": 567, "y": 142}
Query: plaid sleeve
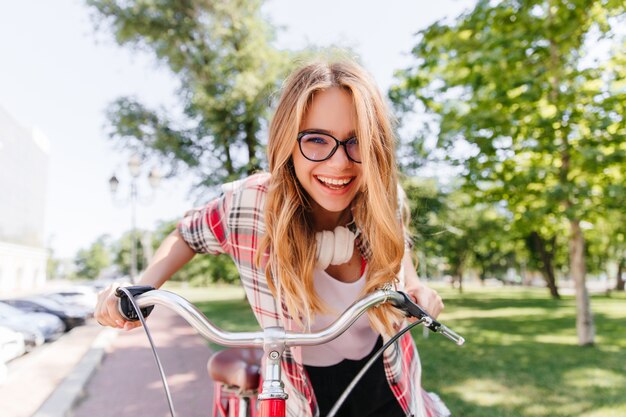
{"x": 204, "y": 229}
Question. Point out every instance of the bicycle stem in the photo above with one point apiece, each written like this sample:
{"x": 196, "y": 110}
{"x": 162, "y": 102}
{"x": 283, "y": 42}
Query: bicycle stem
{"x": 274, "y": 348}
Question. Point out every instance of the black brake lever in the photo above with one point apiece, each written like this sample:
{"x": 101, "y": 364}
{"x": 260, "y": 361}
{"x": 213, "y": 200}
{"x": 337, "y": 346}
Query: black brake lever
{"x": 411, "y": 309}
{"x": 126, "y": 308}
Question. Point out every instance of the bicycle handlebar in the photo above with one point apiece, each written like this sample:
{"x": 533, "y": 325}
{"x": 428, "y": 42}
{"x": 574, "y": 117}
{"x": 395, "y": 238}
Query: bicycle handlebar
{"x": 209, "y": 331}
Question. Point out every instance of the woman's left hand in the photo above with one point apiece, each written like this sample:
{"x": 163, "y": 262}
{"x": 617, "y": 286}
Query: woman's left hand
{"x": 425, "y": 297}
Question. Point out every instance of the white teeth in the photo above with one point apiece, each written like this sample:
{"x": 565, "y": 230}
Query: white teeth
{"x": 333, "y": 181}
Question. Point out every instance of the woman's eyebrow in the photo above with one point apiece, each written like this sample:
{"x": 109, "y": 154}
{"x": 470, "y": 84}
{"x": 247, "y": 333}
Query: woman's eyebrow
{"x": 350, "y": 134}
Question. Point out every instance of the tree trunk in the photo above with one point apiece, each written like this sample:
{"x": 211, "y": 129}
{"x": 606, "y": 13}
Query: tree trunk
{"x": 584, "y": 318}
{"x": 538, "y": 244}
{"x": 251, "y": 144}
{"x": 620, "y": 271}
{"x": 459, "y": 277}
{"x": 228, "y": 164}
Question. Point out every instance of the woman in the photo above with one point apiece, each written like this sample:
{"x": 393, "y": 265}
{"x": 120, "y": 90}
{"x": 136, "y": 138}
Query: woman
{"x": 319, "y": 230}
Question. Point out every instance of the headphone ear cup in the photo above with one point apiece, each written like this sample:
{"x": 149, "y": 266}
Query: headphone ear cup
{"x": 325, "y": 248}
{"x": 344, "y": 245}
{"x": 334, "y": 248}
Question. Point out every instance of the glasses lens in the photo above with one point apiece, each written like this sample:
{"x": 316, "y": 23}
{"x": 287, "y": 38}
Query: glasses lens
{"x": 352, "y": 148}
{"x": 316, "y": 146}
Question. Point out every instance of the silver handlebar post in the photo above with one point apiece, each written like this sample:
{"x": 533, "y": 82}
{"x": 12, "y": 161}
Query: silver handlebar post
{"x": 274, "y": 347}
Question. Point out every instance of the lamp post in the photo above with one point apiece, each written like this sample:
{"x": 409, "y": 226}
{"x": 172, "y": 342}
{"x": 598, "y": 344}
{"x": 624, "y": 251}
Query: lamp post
{"x": 154, "y": 178}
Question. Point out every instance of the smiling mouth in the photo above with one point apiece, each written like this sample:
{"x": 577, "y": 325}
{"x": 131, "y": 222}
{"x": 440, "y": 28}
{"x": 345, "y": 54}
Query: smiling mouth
{"x": 334, "y": 183}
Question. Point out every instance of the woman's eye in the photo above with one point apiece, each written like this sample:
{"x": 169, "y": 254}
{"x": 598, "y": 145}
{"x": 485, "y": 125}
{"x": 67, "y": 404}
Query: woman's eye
{"x": 316, "y": 140}
{"x": 353, "y": 141}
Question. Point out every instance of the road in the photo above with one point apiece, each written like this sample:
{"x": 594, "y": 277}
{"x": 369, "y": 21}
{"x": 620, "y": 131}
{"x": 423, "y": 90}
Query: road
{"x": 127, "y": 383}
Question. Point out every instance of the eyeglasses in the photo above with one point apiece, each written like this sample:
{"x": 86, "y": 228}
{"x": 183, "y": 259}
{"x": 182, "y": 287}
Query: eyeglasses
{"x": 318, "y": 146}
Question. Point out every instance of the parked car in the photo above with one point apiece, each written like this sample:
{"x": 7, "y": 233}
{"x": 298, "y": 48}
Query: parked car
{"x": 83, "y": 296}
{"x": 32, "y": 337}
{"x": 71, "y": 316}
{"x": 49, "y": 325}
{"x": 16, "y": 322}
{"x": 11, "y": 344}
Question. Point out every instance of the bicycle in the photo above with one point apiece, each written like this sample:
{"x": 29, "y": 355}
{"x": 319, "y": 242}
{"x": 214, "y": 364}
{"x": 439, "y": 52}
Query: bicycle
{"x": 238, "y": 373}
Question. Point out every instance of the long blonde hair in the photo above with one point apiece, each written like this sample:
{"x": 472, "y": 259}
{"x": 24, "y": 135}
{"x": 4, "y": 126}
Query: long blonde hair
{"x": 374, "y": 209}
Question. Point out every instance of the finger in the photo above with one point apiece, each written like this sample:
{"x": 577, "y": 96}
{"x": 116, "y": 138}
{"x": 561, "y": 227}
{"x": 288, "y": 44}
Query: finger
{"x": 130, "y": 325}
{"x": 437, "y": 306}
{"x": 106, "y": 313}
{"x": 111, "y": 306}
{"x": 101, "y": 312}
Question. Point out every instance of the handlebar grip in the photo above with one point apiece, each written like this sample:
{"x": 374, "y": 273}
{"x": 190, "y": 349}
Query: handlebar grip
{"x": 414, "y": 310}
{"x": 450, "y": 334}
{"x": 126, "y": 308}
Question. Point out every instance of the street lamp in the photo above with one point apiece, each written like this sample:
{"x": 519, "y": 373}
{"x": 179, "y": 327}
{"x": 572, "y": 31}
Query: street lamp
{"x": 154, "y": 178}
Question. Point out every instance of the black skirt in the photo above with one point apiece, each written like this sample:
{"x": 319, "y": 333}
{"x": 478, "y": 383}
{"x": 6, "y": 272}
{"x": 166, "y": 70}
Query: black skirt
{"x": 372, "y": 396}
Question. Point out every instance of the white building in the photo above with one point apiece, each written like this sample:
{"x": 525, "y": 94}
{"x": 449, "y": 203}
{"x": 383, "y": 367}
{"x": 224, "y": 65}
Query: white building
{"x": 24, "y": 155}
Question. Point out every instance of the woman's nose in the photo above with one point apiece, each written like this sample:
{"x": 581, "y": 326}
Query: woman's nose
{"x": 340, "y": 157}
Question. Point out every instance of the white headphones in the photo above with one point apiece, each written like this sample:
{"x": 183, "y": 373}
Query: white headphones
{"x": 334, "y": 247}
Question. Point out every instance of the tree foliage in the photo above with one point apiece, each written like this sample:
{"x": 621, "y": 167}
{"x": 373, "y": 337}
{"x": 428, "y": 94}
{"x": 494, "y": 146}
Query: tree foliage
{"x": 201, "y": 270}
{"x": 535, "y": 124}
{"x": 452, "y": 235}
{"x": 91, "y": 261}
{"x": 121, "y": 250}
{"x": 221, "y": 54}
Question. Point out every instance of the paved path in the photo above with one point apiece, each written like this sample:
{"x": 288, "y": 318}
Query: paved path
{"x": 127, "y": 382}
{"x": 34, "y": 377}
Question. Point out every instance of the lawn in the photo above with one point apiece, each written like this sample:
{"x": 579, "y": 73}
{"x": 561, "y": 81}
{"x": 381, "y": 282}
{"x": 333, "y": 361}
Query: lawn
{"x": 521, "y": 358}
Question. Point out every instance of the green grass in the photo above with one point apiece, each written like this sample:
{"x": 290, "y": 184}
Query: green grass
{"x": 521, "y": 358}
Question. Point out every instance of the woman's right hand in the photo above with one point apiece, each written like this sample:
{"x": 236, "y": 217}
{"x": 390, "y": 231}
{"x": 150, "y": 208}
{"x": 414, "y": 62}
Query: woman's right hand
{"x": 107, "y": 313}
{"x": 173, "y": 254}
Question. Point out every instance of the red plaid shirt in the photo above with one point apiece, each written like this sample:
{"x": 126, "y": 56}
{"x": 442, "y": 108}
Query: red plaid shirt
{"x": 234, "y": 224}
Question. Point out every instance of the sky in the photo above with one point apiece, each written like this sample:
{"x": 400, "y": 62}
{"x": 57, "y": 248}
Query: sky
{"x": 58, "y": 73}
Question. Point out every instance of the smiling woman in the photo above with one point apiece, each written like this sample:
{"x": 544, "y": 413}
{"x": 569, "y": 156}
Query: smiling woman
{"x": 309, "y": 237}
{"x": 330, "y": 178}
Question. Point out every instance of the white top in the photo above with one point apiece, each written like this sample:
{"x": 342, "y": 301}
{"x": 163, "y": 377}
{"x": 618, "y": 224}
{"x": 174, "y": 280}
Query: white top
{"x": 357, "y": 341}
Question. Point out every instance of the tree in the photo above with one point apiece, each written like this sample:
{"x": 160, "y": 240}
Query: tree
{"x": 451, "y": 235}
{"x": 201, "y": 270}
{"x": 91, "y": 261}
{"x": 607, "y": 246}
{"x": 542, "y": 253}
{"x": 221, "y": 53}
{"x": 426, "y": 203}
{"x": 543, "y": 126}
{"x": 121, "y": 250}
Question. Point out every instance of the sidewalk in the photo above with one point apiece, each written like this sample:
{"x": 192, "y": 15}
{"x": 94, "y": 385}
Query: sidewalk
{"x": 127, "y": 382}
{"x": 34, "y": 377}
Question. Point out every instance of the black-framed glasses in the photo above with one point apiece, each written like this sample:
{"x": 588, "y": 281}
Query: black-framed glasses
{"x": 319, "y": 146}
